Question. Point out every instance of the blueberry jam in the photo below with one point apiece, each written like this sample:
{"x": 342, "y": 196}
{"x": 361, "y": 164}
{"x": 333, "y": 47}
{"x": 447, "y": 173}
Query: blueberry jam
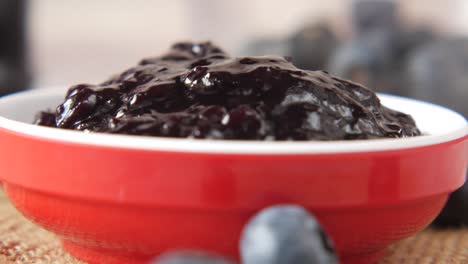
{"x": 196, "y": 90}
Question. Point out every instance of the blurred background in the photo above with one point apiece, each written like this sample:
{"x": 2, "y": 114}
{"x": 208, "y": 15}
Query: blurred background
{"x": 414, "y": 48}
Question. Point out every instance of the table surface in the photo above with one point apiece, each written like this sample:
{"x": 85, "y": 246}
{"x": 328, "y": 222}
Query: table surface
{"x": 23, "y": 242}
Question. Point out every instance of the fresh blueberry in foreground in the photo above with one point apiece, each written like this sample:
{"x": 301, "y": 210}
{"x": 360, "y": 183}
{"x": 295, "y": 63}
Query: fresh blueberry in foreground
{"x": 285, "y": 234}
{"x": 190, "y": 257}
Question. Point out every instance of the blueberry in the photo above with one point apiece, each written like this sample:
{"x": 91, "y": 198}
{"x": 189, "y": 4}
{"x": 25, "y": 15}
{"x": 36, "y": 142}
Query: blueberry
{"x": 190, "y": 257}
{"x": 213, "y": 114}
{"x": 293, "y": 119}
{"x": 198, "y": 81}
{"x": 244, "y": 122}
{"x": 371, "y": 15}
{"x": 409, "y": 41}
{"x": 312, "y": 46}
{"x": 437, "y": 73}
{"x": 45, "y": 119}
{"x": 369, "y": 60}
{"x": 455, "y": 212}
{"x": 162, "y": 97}
{"x": 285, "y": 234}
{"x": 80, "y": 102}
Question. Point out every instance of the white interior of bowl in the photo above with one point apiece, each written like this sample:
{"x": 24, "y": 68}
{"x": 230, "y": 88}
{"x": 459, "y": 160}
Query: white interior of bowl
{"x": 438, "y": 123}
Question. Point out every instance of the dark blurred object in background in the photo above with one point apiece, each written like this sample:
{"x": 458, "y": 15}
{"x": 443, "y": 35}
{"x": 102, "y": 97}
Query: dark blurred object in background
{"x": 372, "y": 16}
{"x": 311, "y": 46}
{"x": 377, "y": 54}
{"x": 410, "y": 40}
{"x": 438, "y": 72}
{"x": 14, "y": 73}
{"x": 455, "y": 213}
{"x": 368, "y": 59}
{"x": 388, "y": 55}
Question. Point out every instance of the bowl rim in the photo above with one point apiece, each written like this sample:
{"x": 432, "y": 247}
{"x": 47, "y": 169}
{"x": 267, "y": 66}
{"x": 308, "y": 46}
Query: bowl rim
{"x": 149, "y": 143}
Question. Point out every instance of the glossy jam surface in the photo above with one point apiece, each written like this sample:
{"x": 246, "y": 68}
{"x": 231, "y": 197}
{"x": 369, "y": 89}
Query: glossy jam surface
{"x": 198, "y": 91}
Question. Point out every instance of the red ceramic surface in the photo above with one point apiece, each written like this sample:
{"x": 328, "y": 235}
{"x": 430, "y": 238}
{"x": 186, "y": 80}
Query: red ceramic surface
{"x": 125, "y": 199}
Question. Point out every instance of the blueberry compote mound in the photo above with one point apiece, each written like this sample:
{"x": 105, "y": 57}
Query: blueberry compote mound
{"x": 196, "y": 90}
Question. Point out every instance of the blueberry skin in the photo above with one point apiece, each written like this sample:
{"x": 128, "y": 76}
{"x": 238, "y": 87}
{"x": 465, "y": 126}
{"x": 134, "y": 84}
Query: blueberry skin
{"x": 190, "y": 257}
{"x": 285, "y": 234}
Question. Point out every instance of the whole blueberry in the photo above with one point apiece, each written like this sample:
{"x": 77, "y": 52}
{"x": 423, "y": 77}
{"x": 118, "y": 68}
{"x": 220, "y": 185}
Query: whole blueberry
{"x": 190, "y": 257}
{"x": 312, "y": 46}
{"x": 285, "y": 234}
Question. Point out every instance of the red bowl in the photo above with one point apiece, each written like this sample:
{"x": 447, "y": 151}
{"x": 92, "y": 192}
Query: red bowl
{"x": 124, "y": 199}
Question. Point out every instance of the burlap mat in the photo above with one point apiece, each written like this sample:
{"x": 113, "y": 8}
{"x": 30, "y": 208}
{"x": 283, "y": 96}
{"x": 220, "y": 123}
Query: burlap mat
{"x": 23, "y": 242}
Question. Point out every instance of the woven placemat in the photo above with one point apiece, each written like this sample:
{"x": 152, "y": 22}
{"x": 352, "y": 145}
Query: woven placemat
{"x": 23, "y": 242}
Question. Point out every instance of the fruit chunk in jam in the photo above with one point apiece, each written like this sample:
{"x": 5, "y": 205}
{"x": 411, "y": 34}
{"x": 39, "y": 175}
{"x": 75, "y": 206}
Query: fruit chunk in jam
{"x": 196, "y": 90}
